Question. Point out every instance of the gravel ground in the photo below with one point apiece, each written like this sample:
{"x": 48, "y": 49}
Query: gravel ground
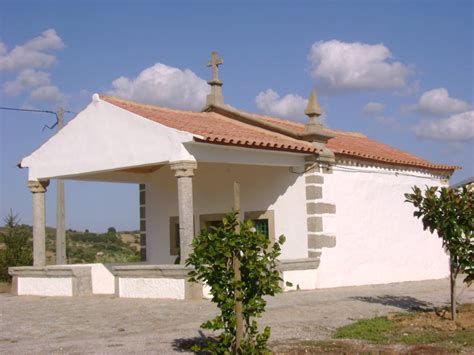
{"x": 112, "y": 325}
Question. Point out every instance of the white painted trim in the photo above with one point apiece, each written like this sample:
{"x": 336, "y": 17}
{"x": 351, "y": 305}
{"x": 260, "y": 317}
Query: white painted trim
{"x": 215, "y": 153}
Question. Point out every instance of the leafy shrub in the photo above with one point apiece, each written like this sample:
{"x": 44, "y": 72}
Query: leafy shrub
{"x": 213, "y": 253}
{"x": 17, "y": 239}
{"x": 449, "y": 212}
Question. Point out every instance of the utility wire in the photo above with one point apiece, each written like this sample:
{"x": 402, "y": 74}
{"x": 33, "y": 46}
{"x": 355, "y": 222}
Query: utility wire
{"x": 38, "y": 111}
{"x": 358, "y": 170}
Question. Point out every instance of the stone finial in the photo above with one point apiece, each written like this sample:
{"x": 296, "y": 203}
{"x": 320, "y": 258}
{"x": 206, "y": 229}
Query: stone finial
{"x": 314, "y": 131}
{"x": 313, "y": 108}
{"x": 313, "y": 111}
{"x": 215, "y": 98}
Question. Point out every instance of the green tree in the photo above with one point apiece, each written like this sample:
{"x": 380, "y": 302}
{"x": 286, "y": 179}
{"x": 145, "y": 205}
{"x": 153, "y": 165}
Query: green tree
{"x": 18, "y": 246}
{"x": 449, "y": 212}
{"x": 214, "y": 252}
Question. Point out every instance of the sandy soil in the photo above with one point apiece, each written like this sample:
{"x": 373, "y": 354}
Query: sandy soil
{"x": 114, "y": 325}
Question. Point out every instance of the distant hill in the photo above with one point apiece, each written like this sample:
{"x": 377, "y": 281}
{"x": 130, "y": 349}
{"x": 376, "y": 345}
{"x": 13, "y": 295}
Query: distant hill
{"x": 88, "y": 247}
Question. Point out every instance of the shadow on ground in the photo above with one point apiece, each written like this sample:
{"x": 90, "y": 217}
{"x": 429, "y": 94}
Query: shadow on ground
{"x": 404, "y": 302}
{"x": 184, "y": 345}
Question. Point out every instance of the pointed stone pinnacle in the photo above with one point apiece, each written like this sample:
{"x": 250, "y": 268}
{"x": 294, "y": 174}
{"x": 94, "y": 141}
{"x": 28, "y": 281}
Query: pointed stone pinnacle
{"x": 313, "y": 108}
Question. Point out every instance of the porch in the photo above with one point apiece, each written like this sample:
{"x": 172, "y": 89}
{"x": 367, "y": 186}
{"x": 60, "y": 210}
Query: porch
{"x": 185, "y": 185}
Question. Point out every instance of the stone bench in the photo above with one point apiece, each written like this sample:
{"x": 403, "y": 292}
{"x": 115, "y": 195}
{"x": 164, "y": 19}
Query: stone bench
{"x": 155, "y": 281}
{"x": 51, "y": 280}
{"x": 300, "y": 272}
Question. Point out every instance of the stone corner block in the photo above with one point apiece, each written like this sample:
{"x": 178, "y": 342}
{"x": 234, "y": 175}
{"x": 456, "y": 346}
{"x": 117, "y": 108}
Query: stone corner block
{"x": 327, "y": 169}
{"x": 320, "y": 208}
{"x": 318, "y": 241}
{"x": 315, "y": 224}
{"x": 314, "y": 179}
{"x": 314, "y": 192}
{"x": 314, "y": 254}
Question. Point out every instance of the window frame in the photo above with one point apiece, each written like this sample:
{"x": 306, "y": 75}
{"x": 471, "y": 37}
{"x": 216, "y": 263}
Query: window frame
{"x": 269, "y": 215}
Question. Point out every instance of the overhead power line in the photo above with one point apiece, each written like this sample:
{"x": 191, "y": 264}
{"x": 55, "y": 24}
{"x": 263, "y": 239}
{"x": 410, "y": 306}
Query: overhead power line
{"x": 61, "y": 257}
{"x": 38, "y": 111}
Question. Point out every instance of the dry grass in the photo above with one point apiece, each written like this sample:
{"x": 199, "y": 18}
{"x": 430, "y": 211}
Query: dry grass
{"x": 414, "y": 333}
{"x": 5, "y": 287}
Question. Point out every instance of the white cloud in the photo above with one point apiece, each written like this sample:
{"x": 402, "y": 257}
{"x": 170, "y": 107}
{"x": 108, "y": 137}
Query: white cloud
{"x": 164, "y": 85}
{"x": 26, "y": 79}
{"x": 458, "y": 127}
{"x": 373, "y": 108}
{"x": 290, "y": 106}
{"x": 48, "y": 93}
{"x": 356, "y": 66}
{"x": 437, "y": 102}
{"x": 31, "y": 54}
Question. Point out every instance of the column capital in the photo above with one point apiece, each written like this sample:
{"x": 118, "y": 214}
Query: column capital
{"x": 38, "y": 186}
{"x": 183, "y": 168}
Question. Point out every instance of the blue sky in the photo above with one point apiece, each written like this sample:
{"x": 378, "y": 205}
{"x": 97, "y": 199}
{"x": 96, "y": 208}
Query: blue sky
{"x": 399, "y": 71}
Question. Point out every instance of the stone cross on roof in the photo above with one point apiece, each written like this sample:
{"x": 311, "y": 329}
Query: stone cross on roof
{"x": 215, "y": 97}
{"x": 214, "y": 63}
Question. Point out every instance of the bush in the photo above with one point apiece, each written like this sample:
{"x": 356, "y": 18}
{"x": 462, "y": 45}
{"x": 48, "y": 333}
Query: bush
{"x": 449, "y": 212}
{"x": 213, "y": 257}
{"x": 18, "y": 246}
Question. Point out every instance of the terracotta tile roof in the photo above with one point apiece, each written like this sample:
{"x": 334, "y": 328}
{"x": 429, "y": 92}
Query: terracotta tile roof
{"x": 216, "y": 128}
{"x": 213, "y": 127}
{"x": 359, "y": 145}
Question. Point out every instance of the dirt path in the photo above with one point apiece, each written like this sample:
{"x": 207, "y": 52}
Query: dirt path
{"x": 113, "y": 325}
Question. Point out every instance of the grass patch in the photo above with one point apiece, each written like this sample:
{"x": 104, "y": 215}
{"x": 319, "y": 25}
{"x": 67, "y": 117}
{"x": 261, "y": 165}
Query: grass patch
{"x": 374, "y": 330}
{"x": 416, "y": 329}
{"x": 423, "y": 337}
{"x": 465, "y": 337}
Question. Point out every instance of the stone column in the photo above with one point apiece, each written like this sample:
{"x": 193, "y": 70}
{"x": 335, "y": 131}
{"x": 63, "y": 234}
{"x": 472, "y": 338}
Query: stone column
{"x": 319, "y": 212}
{"x": 38, "y": 188}
{"x": 184, "y": 172}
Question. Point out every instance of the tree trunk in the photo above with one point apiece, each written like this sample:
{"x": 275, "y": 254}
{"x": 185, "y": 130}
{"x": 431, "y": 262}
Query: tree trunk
{"x": 238, "y": 309}
{"x": 239, "y": 324}
{"x": 453, "y": 274}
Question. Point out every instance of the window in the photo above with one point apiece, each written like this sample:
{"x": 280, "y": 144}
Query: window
{"x": 174, "y": 236}
{"x": 264, "y": 222}
{"x": 261, "y": 225}
{"x": 210, "y": 220}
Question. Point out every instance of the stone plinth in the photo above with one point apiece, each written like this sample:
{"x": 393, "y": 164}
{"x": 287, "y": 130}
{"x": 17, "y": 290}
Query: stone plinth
{"x": 51, "y": 281}
{"x": 155, "y": 281}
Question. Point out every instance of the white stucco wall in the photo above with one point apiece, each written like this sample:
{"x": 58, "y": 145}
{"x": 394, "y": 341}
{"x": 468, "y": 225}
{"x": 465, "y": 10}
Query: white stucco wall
{"x": 45, "y": 286}
{"x": 300, "y": 280}
{"x": 262, "y": 188}
{"x": 105, "y": 137}
{"x": 377, "y": 238}
{"x": 152, "y": 288}
{"x": 103, "y": 281}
